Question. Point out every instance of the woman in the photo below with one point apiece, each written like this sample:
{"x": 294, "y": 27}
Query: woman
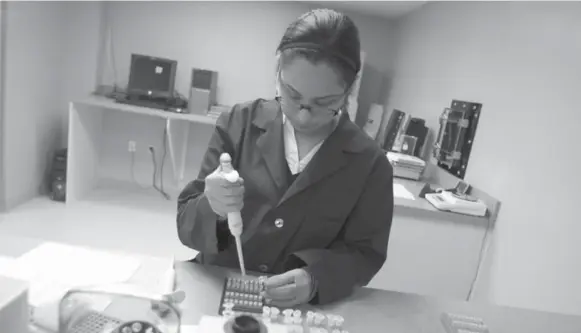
{"x": 316, "y": 197}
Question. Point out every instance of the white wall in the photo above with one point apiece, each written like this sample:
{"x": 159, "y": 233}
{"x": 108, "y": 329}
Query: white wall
{"x": 522, "y": 61}
{"x": 2, "y": 132}
{"x": 83, "y": 30}
{"x": 51, "y": 52}
{"x": 54, "y": 50}
{"x": 237, "y": 39}
{"x": 32, "y": 94}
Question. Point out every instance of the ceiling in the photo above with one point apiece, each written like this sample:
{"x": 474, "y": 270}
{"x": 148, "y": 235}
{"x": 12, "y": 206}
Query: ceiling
{"x": 384, "y": 9}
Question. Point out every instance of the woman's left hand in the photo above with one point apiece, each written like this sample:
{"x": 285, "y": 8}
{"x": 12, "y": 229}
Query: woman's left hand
{"x": 289, "y": 289}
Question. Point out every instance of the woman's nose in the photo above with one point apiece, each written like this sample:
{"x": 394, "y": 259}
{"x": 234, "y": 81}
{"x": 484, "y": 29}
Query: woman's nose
{"x": 304, "y": 115}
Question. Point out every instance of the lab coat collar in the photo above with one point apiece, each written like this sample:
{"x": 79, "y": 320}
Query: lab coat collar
{"x": 265, "y": 113}
{"x": 331, "y": 158}
{"x": 269, "y": 116}
{"x": 335, "y": 153}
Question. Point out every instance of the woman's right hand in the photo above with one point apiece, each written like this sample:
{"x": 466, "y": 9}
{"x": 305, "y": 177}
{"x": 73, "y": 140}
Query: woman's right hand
{"x": 224, "y": 197}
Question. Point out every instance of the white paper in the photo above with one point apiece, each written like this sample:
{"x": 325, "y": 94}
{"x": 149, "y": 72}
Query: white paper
{"x": 188, "y": 329}
{"x": 400, "y": 191}
{"x": 157, "y": 275}
{"x": 52, "y": 269}
{"x": 6, "y": 264}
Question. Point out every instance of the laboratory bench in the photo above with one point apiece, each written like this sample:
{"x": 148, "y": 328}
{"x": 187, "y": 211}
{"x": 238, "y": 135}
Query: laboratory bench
{"x": 434, "y": 252}
{"x": 438, "y": 178}
{"x": 421, "y": 207}
{"x": 431, "y": 252}
{"x": 373, "y": 310}
{"x": 366, "y": 310}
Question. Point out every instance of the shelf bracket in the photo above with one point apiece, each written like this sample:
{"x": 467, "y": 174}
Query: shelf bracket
{"x": 178, "y": 131}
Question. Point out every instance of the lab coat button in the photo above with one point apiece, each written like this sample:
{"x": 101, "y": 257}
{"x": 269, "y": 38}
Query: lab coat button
{"x": 263, "y": 268}
{"x": 279, "y": 223}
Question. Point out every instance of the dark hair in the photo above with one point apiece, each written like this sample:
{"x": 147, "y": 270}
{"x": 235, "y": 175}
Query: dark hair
{"x": 324, "y": 35}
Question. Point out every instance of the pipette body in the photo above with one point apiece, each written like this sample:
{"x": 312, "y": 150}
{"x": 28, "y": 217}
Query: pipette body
{"x": 234, "y": 218}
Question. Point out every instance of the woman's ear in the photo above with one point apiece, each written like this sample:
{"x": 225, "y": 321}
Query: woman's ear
{"x": 277, "y": 77}
{"x": 349, "y": 91}
{"x": 277, "y": 87}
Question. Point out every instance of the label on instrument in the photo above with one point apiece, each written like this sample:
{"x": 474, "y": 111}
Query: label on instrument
{"x": 455, "y": 323}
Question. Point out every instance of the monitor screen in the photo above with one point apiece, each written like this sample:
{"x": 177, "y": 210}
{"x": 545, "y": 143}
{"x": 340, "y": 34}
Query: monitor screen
{"x": 462, "y": 187}
{"x": 152, "y": 76}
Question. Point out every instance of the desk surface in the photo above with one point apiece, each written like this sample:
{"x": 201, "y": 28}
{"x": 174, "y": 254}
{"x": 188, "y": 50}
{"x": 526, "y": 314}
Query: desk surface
{"x": 423, "y": 207}
{"x": 367, "y": 310}
{"x": 372, "y": 310}
{"x": 107, "y": 103}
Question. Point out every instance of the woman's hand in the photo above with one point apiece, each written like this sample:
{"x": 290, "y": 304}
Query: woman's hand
{"x": 289, "y": 289}
{"x": 224, "y": 197}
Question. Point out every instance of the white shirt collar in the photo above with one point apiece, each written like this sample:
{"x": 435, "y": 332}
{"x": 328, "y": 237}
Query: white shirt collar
{"x": 291, "y": 149}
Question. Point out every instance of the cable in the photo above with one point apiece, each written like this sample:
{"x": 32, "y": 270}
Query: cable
{"x": 153, "y": 181}
{"x": 178, "y": 95}
{"x": 133, "y": 178}
{"x": 151, "y": 151}
{"x": 481, "y": 258}
{"x": 165, "y": 195}
{"x": 164, "y": 140}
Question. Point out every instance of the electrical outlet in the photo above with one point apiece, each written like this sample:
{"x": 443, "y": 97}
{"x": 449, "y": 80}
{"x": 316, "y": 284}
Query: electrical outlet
{"x": 131, "y": 146}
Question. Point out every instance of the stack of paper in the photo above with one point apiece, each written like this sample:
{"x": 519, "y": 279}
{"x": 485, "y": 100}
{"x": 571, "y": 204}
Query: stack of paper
{"x": 406, "y": 166}
{"x": 189, "y": 329}
{"x": 52, "y": 269}
{"x": 6, "y": 265}
{"x": 156, "y": 275}
{"x": 399, "y": 191}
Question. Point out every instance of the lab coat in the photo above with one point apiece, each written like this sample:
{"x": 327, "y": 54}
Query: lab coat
{"x": 335, "y": 217}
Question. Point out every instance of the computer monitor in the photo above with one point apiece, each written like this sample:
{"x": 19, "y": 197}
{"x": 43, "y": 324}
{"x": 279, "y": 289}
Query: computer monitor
{"x": 151, "y": 76}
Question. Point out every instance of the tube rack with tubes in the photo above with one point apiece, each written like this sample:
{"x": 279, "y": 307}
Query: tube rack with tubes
{"x": 243, "y": 296}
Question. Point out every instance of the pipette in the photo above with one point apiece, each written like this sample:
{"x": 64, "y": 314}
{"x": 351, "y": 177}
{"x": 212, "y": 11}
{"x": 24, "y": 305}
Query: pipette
{"x": 234, "y": 219}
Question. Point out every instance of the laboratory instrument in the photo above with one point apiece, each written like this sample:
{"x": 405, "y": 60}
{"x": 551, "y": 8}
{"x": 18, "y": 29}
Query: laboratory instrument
{"x": 453, "y": 144}
{"x": 456, "y": 323}
{"x": 235, "y": 218}
{"x": 463, "y": 204}
{"x": 116, "y": 309}
{"x": 406, "y": 166}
